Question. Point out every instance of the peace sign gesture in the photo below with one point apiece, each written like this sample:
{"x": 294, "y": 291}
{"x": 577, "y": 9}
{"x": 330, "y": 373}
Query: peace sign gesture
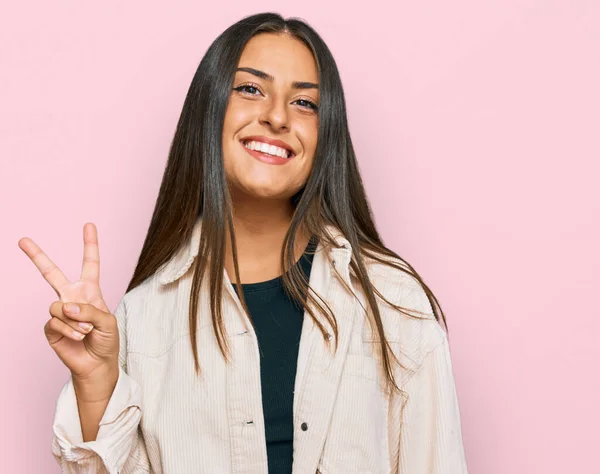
{"x": 83, "y": 333}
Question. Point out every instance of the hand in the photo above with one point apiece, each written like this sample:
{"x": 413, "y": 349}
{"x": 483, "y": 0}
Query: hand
{"x": 87, "y": 353}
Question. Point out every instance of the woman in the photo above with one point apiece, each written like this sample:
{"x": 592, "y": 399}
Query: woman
{"x": 266, "y": 327}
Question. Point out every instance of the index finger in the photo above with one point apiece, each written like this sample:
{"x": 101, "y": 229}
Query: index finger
{"x": 47, "y": 267}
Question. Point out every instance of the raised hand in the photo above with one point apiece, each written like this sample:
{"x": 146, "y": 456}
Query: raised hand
{"x": 87, "y": 342}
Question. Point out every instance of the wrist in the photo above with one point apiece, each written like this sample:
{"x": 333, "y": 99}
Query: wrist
{"x": 97, "y": 387}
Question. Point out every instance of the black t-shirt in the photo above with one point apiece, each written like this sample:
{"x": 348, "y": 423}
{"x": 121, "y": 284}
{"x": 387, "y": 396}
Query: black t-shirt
{"x": 278, "y": 323}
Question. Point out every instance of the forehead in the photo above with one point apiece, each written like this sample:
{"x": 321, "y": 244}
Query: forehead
{"x": 281, "y": 55}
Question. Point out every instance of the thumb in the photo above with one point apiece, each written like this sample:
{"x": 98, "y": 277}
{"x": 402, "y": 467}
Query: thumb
{"x": 88, "y": 313}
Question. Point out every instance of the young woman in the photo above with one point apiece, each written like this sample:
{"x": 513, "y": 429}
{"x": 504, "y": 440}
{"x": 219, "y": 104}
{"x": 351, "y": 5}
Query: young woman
{"x": 266, "y": 328}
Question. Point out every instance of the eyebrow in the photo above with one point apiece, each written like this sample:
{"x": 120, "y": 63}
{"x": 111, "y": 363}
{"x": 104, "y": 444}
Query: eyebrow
{"x": 270, "y": 78}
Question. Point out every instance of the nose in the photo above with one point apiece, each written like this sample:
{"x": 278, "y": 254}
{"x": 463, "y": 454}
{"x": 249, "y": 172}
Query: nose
{"x": 275, "y": 114}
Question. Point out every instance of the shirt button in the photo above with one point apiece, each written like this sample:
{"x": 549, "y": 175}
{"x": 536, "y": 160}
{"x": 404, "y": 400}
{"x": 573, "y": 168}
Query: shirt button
{"x": 304, "y": 426}
{"x": 328, "y": 336}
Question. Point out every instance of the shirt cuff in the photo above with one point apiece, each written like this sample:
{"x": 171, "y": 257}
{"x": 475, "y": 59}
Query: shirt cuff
{"x": 117, "y": 428}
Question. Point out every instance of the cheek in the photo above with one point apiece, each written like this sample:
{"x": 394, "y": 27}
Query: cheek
{"x": 231, "y": 118}
{"x": 236, "y": 116}
{"x": 309, "y": 132}
{"x": 234, "y": 121}
{"x": 309, "y": 142}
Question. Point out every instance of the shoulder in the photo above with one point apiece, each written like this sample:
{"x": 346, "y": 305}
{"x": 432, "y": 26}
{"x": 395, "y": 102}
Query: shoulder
{"x": 132, "y": 301}
{"x": 150, "y": 317}
{"x": 411, "y": 328}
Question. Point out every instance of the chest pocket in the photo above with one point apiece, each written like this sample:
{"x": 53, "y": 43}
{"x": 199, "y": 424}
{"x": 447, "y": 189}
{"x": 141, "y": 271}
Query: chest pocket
{"x": 366, "y": 340}
{"x": 357, "y": 437}
{"x": 357, "y": 440}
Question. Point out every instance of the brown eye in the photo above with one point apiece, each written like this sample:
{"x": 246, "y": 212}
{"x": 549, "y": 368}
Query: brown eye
{"x": 247, "y": 89}
{"x": 307, "y": 104}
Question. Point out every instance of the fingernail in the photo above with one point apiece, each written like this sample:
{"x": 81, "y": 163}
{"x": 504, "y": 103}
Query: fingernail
{"x": 72, "y": 308}
{"x": 78, "y": 335}
{"x": 86, "y": 326}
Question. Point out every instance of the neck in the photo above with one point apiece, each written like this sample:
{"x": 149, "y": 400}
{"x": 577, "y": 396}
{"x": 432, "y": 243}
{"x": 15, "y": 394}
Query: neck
{"x": 260, "y": 227}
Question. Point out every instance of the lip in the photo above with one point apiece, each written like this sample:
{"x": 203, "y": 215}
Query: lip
{"x": 269, "y": 141}
{"x": 266, "y": 158}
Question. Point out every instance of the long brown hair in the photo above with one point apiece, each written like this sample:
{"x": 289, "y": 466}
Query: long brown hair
{"x": 194, "y": 185}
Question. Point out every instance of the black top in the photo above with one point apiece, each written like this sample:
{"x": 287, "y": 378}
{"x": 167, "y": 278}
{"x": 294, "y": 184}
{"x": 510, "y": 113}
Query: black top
{"x": 278, "y": 323}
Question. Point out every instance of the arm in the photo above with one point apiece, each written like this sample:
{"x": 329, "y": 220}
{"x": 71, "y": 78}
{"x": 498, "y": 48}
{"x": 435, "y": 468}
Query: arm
{"x": 431, "y": 436}
{"x": 118, "y": 446}
{"x": 92, "y": 401}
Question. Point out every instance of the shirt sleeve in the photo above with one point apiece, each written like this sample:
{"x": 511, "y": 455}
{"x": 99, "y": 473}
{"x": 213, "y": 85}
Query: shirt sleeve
{"x": 431, "y": 435}
{"x": 119, "y": 447}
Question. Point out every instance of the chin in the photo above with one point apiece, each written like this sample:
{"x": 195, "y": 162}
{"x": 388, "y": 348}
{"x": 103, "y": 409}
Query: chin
{"x": 269, "y": 194}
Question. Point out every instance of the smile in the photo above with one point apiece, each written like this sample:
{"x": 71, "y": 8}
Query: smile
{"x": 267, "y": 153}
{"x": 268, "y": 149}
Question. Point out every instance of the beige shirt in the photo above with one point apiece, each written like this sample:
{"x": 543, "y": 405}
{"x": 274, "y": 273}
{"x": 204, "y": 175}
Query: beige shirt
{"x": 161, "y": 418}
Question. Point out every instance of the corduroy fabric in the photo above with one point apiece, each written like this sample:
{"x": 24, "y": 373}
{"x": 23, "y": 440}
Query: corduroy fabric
{"x": 162, "y": 419}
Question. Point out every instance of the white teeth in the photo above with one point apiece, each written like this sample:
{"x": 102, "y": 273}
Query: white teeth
{"x": 269, "y": 149}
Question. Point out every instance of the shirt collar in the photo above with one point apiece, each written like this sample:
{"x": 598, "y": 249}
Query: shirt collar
{"x": 183, "y": 259}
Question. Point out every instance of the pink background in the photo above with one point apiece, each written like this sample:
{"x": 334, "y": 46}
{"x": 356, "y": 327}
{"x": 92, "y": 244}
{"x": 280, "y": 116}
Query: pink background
{"x": 477, "y": 126}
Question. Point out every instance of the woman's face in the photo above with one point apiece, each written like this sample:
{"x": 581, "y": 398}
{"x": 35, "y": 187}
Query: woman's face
{"x": 273, "y": 104}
